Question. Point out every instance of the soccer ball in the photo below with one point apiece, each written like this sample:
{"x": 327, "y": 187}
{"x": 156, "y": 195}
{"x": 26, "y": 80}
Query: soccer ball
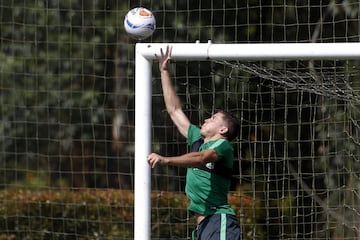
{"x": 139, "y": 23}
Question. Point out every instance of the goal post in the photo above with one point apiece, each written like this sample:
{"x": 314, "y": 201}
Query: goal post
{"x": 145, "y": 53}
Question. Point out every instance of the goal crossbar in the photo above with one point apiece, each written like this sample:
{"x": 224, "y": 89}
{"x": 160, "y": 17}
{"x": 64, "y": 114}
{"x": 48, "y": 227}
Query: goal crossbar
{"x": 145, "y": 53}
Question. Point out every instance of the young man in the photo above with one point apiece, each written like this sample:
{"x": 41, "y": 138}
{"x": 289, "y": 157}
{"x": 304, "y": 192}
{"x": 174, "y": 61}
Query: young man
{"x": 209, "y": 164}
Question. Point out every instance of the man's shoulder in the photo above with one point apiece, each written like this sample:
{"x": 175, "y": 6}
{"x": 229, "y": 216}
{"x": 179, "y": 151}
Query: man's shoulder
{"x": 193, "y": 127}
{"x": 193, "y": 134}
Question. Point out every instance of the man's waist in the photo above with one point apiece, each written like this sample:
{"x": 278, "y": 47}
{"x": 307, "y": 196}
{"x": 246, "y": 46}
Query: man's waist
{"x": 199, "y": 218}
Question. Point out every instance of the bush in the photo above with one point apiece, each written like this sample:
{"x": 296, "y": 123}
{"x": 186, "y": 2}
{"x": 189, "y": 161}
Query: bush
{"x": 94, "y": 214}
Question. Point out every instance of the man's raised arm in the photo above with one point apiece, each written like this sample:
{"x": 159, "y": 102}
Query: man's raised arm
{"x": 172, "y": 101}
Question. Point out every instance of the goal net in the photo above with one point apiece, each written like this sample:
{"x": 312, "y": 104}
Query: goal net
{"x": 67, "y": 129}
{"x": 297, "y": 155}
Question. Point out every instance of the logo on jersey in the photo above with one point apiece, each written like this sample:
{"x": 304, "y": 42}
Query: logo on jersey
{"x": 210, "y": 165}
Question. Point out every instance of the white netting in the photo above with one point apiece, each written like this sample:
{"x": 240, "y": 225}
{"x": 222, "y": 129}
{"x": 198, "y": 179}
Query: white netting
{"x": 67, "y": 118}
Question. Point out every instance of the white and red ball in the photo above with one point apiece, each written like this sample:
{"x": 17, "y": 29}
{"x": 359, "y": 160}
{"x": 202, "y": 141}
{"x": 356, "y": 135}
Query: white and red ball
{"x": 140, "y": 23}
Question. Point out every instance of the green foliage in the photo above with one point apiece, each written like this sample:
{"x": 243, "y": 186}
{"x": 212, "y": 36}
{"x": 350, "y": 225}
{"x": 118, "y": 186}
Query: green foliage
{"x": 66, "y": 214}
{"x": 65, "y": 65}
{"x": 54, "y": 82}
{"x": 102, "y": 214}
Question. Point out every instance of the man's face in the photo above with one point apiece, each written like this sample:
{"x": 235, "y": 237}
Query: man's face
{"x": 213, "y": 125}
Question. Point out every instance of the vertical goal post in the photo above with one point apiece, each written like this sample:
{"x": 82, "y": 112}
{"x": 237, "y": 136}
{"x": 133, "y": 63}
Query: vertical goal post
{"x": 145, "y": 53}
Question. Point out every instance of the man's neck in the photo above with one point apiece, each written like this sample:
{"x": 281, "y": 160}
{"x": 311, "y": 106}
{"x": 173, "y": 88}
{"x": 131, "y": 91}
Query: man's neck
{"x": 213, "y": 138}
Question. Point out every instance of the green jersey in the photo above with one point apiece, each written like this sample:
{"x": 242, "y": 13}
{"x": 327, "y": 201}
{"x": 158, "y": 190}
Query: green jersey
{"x": 207, "y": 186}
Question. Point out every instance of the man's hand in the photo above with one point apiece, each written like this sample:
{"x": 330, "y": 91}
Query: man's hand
{"x": 165, "y": 59}
{"x": 154, "y": 159}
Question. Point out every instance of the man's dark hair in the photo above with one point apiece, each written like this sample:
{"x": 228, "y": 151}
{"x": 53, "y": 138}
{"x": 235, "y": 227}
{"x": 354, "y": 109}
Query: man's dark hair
{"x": 233, "y": 125}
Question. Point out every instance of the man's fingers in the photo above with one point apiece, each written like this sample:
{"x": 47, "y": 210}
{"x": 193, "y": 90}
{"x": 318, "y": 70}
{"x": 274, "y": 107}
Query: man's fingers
{"x": 162, "y": 52}
{"x": 165, "y": 58}
{"x": 151, "y": 160}
{"x": 169, "y": 51}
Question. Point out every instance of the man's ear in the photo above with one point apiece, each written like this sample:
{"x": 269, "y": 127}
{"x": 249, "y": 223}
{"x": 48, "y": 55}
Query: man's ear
{"x": 223, "y": 130}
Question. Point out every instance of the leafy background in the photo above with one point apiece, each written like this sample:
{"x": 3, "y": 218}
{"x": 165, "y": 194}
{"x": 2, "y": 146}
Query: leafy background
{"x": 67, "y": 106}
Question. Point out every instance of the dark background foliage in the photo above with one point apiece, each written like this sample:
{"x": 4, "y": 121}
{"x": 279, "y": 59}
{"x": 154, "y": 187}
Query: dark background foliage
{"x": 67, "y": 102}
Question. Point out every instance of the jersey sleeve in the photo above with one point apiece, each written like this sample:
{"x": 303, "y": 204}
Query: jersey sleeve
{"x": 224, "y": 150}
{"x": 193, "y": 134}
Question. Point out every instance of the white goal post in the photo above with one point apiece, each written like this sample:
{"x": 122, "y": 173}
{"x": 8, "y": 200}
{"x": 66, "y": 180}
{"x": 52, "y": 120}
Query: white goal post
{"x": 145, "y": 53}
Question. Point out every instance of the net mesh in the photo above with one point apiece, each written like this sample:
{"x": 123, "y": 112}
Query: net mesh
{"x": 67, "y": 119}
{"x": 298, "y": 153}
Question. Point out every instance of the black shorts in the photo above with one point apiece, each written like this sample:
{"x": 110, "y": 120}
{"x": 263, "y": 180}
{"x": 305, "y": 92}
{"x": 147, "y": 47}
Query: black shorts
{"x": 218, "y": 227}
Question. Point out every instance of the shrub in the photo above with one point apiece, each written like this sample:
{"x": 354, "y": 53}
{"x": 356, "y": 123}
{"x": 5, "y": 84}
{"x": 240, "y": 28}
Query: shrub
{"x": 95, "y": 214}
